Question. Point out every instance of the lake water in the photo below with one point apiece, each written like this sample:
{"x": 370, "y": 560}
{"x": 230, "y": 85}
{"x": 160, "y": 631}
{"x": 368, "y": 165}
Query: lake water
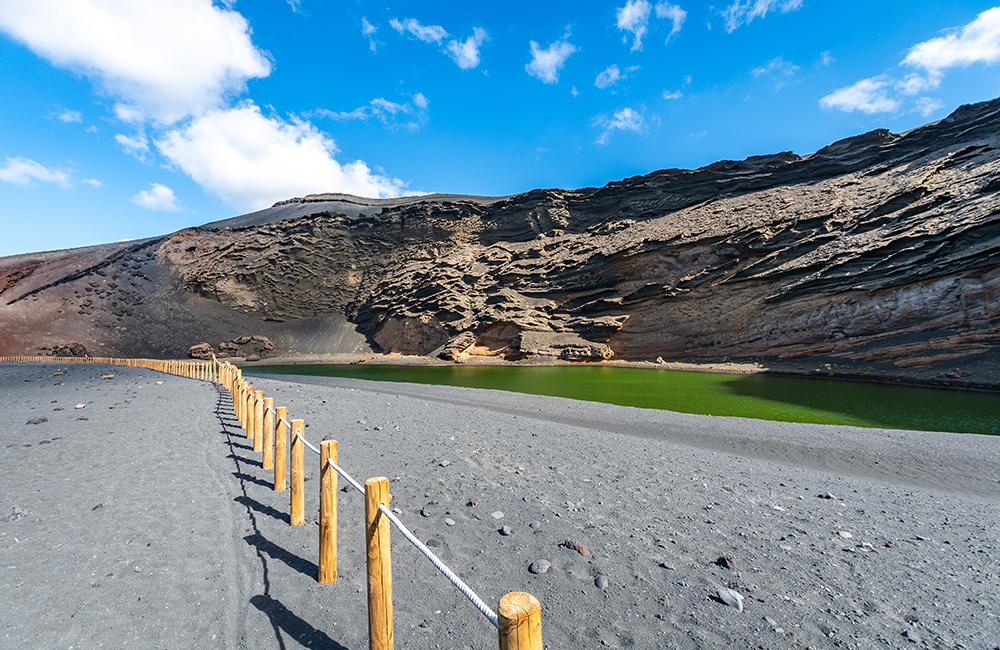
{"x": 785, "y": 399}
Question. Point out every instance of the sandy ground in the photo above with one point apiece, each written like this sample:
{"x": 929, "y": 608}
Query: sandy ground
{"x": 145, "y": 520}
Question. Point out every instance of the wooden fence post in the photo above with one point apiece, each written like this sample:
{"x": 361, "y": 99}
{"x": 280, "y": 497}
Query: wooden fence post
{"x": 327, "y": 513}
{"x": 280, "y": 449}
{"x": 379, "y": 565}
{"x": 297, "y": 514}
{"x": 258, "y": 421}
{"x": 251, "y": 395}
{"x": 519, "y": 619}
{"x": 267, "y": 462}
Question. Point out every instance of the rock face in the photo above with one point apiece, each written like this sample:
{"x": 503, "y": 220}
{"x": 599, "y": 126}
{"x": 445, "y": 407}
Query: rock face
{"x": 876, "y": 236}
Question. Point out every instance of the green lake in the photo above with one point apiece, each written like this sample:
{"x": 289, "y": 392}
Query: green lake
{"x": 785, "y": 399}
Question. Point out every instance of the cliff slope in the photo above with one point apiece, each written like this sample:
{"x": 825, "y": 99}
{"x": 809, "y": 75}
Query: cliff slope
{"x": 881, "y": 247}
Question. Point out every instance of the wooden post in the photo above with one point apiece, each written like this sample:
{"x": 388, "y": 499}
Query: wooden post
{"x": 258, "y": 421}
{"x": 267, "y": 462}
{"x": 327, "y": 513}
{"x": 249, "y": 411}
{"x": 280, "y": 449}
{"x": 379, "y": 565}
{"x": 298, "y": 506}
{"x": 519, "y": 619}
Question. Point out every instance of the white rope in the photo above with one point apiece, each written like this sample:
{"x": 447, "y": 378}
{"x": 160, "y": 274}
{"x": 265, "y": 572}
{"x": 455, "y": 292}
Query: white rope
{"x": 448, "y": 573}
{"x": 309, "y": 444}
{"x": 287, "y": 424}
{"x": 357, "y": 486}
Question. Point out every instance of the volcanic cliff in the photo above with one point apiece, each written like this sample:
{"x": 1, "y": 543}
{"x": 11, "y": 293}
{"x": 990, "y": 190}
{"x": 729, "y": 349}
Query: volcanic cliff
{"x": 881, "y": 247}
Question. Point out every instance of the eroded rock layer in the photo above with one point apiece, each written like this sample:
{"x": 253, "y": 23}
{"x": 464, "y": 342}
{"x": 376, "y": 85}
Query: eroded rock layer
{"x": 873, "y": 237}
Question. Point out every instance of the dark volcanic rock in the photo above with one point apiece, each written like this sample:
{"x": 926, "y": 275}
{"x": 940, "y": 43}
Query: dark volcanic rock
{"x": 873, "y": 236}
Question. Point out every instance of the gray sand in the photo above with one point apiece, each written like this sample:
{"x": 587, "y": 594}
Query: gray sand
{"x": 152, "y": 525}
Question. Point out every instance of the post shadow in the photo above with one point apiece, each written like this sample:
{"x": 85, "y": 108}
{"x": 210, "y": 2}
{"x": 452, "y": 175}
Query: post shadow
{"x": 274, "y": 513}
{"x": 285, "y": 620}
{"x": 274, "y": 551}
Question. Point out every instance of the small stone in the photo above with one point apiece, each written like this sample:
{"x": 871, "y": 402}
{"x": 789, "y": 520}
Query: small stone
{"x": 535, "y": 525}
{"x": 497, "y": 515}
{"x": 137, "y": 569}
{"x": 576, "y": 546}
{"x": 784, "y": 547}
{"x": 826, "y": 495}
{"x": 726, "y": 562}
{"x": 158, "y": 383}
{"x": 433, "y": 543}
{"x": 37, "y": 420}
{"x": 505, "y": 530}
{"x": 538, "y": 567}
{"x": 731, "y": 598}
{"x": 444, "y": 463}
{"x": 80, "y": 406}
{"x": 601, "y": 582}
{"x": 845, "y": 535}
{"x": 770, "y": 621}
{"x": 449, "y": 522}
{"x": 426, "y": 512}
{"x": 472, "y": 504}
{"x": 99, "y": 506}
{"x": 16, "y": 513}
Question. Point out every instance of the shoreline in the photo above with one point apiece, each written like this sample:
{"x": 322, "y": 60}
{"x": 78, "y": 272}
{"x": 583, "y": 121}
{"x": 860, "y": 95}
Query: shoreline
{"x": 774, "y": 369}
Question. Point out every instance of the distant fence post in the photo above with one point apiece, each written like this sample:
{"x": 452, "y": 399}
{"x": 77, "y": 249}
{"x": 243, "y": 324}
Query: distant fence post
{"x": 519, "y": 622}
{"x": 379, "y": 565}
{"x": 258, "y": 421}
{"x": 297, "y": 514}
{"x": 267, "y": 462}
{"x": 251, "y": 395}
{"x": 281, "y": 449}
{"x": 327, "y": 513}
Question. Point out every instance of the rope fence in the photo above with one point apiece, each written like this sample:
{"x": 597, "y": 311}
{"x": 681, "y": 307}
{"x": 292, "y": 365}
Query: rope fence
{"x": 281, "y": 441}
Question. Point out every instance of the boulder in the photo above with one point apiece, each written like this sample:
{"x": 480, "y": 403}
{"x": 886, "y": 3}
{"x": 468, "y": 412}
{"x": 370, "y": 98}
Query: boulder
{"x": 202, "y": 351}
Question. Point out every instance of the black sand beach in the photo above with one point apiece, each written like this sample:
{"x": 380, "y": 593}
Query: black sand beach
{"x": 145, "y": 520}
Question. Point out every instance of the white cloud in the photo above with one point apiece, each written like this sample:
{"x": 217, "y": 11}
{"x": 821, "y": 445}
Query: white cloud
{"x": 634, "y": 17}
{"x": 369, "y": 31}
{"x": 624, "y": 120}
{"x": 137, "y": 146}
{"x": 826, "y": 58}
{"x": 868, "y": 96}
{"x": 70, "y": 116}
{"x": 573, "y": 91}
{"x": 741, "y": 12}
{"x": 92, "y": 181}
{"x": 250, "y": 160}
{"x": 913, "y": 83}
{"x": 157, "y": 197}
{"x": 164, "y": 59}
{"x": 545, "y": 64}
{"x": 977, "y": 42}
{"x": 24, "y": 172}
{"x": 778, "y": 70}
{"x": 928, "y": 105}
{"x": 426, "y": 33}
{"x": 672, "y": 95}
{"x": 296, "y": 5}
{"x": 608, "y": 77}
{"x": 466, "y": 54}
{"x": 674, "y": 13}
{"x": 392, "y": 114}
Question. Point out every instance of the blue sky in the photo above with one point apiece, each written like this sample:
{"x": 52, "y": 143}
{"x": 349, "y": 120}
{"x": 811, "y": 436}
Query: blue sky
{"x": 123, "y": 119}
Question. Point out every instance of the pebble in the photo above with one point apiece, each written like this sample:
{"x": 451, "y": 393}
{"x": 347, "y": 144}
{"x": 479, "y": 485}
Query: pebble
{"x": 426, "y": 512}
{"x": 731, "y": 598}
{"x": 497, "y": 515}
{"x": 601, "y": 582}
{"x": 576, "y": 546}
{"x": 505, "y": 530}
{"x": 844, "y": 534}
{"x": 433, "y": 543}
{"x": 444, "y": 463}
{"x": 449, "y": 522}
{"x": 535, "y": 525}
{"x": 539, "y": 567}
{"x": 726, "y": 562}
{"x": 80, "y": 406}
{"x": 37, "y": 420}
{"x": 16, "y": 513}
{"x": 826, "y": 495}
